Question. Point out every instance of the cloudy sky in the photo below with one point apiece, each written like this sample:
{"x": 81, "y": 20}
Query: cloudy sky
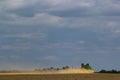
{"x": 45, "y": 33}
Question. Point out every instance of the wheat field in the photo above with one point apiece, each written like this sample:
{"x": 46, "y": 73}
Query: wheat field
{"x": 95, "y": 76}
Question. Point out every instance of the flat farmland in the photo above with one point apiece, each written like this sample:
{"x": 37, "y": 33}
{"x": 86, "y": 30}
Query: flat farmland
{"x": 95, "y": 76}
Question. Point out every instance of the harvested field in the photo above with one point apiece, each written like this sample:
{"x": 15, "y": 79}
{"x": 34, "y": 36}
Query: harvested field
{"x": 95, "y": 76}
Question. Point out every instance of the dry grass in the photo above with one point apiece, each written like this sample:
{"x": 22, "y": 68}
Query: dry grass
{"x": 62, "y": 77}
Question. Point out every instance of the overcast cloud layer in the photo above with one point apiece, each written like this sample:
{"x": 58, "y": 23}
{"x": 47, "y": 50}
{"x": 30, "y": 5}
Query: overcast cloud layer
{"x": 44, "y": 33}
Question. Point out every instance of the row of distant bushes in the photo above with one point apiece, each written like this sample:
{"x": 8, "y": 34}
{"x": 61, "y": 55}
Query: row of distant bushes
{"x": 9, "y": 71}
{"x": 109, "y": 71}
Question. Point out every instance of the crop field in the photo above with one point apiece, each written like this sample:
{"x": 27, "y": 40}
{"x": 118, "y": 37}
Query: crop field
{"x": 95, "y": 76}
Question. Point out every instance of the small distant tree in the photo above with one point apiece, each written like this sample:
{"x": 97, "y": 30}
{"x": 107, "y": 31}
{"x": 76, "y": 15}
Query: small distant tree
{"x": 57, "y": 68}
{"x": 66, "y": 67}
{"x": 114, "y": 71}
{"x": 103, "y": 71}
{"x": 51, "y": 68}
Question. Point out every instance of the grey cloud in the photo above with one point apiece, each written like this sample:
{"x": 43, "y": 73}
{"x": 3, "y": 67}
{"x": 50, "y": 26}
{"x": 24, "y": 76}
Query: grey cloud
{"x": 29, "y": 8}
{"x": 25, "y": 12}
{"x": 88, "y": 12}
{"x": 96, "y": 8}
{"x": 29, "y": 11}
{"x": 77, "y": 12}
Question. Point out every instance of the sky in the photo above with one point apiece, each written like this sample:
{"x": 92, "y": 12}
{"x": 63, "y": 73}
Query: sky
{"x": 56, "y": 33}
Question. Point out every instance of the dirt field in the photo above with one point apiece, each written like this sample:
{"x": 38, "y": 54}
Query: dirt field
{"x": 62, "y": 77}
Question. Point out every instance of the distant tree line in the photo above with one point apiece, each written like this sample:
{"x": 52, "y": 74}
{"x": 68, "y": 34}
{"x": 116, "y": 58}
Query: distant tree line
{"x": 109, "y": 71}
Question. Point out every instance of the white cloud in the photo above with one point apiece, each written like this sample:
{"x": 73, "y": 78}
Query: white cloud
{"x": 50, "y": 58}
{"x": 15, "y": 4}
{"x": 11, "y": 4}
{"x": 111, "y": 24}
{"x": 42, "y": 19}
{"x": 26, "y": 35}
{"x": 117, "y": 31}
{"x": 14, "y": 47}
{"x": 82, "y": 42}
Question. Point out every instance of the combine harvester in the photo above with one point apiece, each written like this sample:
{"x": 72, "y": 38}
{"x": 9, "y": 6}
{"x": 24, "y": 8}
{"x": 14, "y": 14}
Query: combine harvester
{"x": 85, "y": 69}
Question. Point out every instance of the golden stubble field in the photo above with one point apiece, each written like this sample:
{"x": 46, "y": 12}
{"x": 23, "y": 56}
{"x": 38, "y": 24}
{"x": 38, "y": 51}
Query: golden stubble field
{"x": 95, "y": 76}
